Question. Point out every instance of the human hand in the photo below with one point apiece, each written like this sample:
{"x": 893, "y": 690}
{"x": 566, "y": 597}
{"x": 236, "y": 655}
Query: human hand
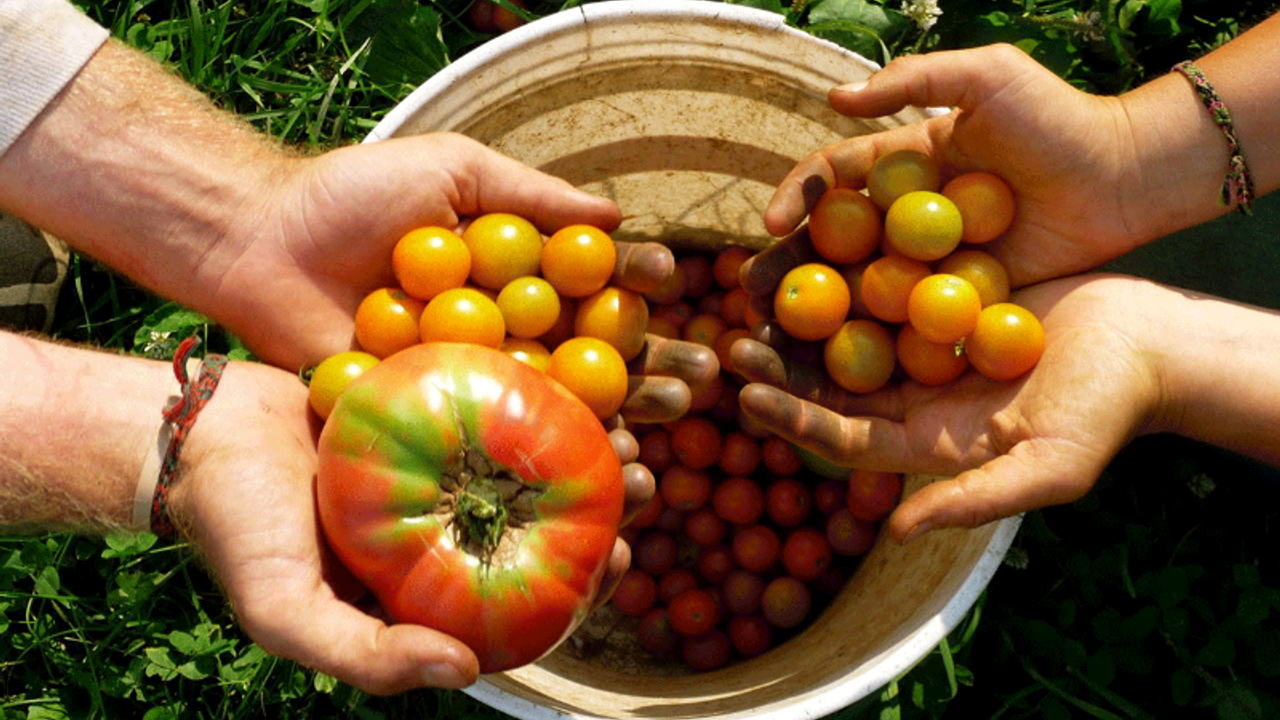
{"x": 293, "y": 268}
{"x": 312, "y": 275}
{"x": 1042, "y": 439}
{"x": 658, "y": 391}
{"x": 255, "y": 440}
{"x": 292, "y": 290}
{"x": 1067, "y": 155}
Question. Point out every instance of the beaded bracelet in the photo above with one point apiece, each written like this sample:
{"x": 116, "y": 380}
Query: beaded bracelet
{"x": 1237, "y": 188}
{"x": 179, "y": 416}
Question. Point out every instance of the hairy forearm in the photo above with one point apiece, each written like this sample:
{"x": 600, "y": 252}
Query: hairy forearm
{"x": 1181, "y": 154}
{"x": 134, "y": 167}
{"x": 76, "y": 427}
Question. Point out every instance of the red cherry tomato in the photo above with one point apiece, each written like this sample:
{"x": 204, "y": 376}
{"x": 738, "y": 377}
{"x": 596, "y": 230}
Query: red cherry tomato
{"x": 636, "y": 593}
{"x": 694, "y": 612}
{"x": 806, "y": 554}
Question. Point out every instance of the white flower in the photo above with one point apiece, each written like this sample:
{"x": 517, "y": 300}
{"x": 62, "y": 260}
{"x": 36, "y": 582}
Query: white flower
{"x": 1092, "y": 28}
{"x": 1201, "y": 485}
{"x": 1018, "y": 558}
{"x": 924, "y": 12}
{"x": 159, "y": 345}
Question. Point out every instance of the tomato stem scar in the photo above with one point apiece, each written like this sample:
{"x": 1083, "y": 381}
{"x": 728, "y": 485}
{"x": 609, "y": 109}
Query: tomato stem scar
{"x": 483, "y": 514}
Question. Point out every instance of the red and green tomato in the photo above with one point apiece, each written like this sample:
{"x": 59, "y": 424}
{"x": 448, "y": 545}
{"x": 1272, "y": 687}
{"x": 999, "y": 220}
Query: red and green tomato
{"x": 472, "y": 495}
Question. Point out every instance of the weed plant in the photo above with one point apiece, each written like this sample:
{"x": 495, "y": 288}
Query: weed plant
{"x": 1155, "y": 596}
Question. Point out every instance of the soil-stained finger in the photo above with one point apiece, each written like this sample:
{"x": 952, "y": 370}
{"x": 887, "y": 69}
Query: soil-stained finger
{"x": 642, "y": 267}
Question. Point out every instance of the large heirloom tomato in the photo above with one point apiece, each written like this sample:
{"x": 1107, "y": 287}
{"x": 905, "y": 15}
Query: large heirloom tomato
{"x": 473, "y": 495}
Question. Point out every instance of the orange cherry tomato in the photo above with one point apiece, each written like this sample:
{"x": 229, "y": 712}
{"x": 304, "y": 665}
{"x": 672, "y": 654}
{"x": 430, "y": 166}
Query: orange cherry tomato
{"x": 491, "y": 294}
{"x": 887, "y": 283}
{"x": 853, "y": 276}
{"x": 529, "y": 352}
{"x": 986, "y": 273}
{"x": 845, "y": 226}
{"x": 923, "y": 225}
{"x": 332, "y": 376}
{"x": 704, "y": 329}
{"x": 529, "y": 305}
{"x": 860, "y": 356}
{"x": 811, "y": 302}
{"x": 944, "y": 308}
{"x": 387, "y": 321}
{"x": 899, "y": 173}
{"x": 563, "y": 328}
{"x": 663, "y": 327}
{"x": 429, "y": 260}
{"x": 985, "y": 203}
{"x": 926, "y": 362}
{"x": 503, "y": 247}
{"x": 1007, "y": 342}
{"x": 578, "y": 260}
{"x": 618, "y": 316}
{"x": 594, "y": 371}
{"x": 463, "y": 315}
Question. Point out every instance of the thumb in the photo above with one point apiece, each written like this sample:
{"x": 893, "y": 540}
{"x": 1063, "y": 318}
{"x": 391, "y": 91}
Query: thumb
{"x": 1033, "y": 475}
{"x": 356, "y": 648}
{"x": 504, "y": 184}
{"x": 957, "y": 78}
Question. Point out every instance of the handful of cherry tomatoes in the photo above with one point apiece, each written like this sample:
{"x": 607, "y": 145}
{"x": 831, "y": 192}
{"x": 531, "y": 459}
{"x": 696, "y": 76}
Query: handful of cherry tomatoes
{"x": 900, "y": 283}
{"x": 547, "y": 302}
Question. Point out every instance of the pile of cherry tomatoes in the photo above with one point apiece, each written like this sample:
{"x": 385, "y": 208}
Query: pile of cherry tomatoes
{"x": 902, "y": 283}
{"x": 745, "y": 540}
{"x": 547, "y": 302}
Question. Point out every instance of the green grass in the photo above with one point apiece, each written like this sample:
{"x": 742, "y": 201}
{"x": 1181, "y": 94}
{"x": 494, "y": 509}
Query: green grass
{"x": 1156, "y": 596}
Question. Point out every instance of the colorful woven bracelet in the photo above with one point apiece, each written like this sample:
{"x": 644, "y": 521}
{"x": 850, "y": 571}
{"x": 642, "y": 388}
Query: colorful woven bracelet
{"x": 1237, "y": 188}
{"x": 181, "y": 415}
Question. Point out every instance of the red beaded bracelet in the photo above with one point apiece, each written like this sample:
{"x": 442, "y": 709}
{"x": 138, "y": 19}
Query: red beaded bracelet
{"x": 181, "y": 415}
{"x": 1237, "y": 188}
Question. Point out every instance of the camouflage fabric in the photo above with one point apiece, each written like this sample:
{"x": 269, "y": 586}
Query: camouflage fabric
{"x": 33, "y": 267}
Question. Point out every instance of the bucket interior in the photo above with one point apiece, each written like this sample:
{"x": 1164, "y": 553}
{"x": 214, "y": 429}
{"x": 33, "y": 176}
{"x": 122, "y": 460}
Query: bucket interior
{"x": 688, "y": 114}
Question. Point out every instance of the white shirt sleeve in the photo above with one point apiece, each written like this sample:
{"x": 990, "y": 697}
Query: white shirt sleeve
{"x": 43, "y": 45}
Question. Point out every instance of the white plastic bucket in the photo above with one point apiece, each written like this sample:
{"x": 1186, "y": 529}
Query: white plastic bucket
{"x": 688, "y": 114}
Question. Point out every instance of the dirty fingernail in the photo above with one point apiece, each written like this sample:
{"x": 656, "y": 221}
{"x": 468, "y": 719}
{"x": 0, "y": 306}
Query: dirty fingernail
{"x": 813, "y": 188}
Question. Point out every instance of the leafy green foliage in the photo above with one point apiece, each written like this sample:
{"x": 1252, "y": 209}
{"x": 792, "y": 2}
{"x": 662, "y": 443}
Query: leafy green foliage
{"x": 868, "y": 28}
{"x": 1155, "y": 596}
{"x": 130, "y": 628}
{"x": 1099, "y": 45}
